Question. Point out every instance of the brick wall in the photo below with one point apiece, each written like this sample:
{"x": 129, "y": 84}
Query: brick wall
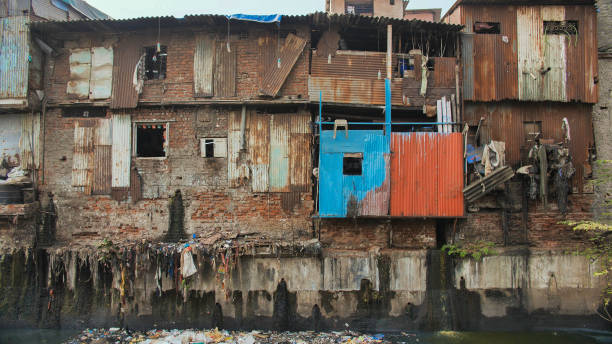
{"x": 211, "y": 207}
{"x": 544, "y": 229}
{"x": 178, "y": 84}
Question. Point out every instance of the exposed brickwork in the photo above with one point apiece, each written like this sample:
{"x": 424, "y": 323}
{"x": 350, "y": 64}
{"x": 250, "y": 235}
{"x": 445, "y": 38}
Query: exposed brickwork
{"x": 359, "y": 234}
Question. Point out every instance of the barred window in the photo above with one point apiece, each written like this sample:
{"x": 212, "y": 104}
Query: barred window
{"x": 566, "y": 27}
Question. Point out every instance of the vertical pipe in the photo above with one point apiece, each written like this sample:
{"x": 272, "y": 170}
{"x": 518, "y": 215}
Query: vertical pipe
{"x": 389, "y": 49}
{"x": 243, "y": 128}
{"x": 320, "y": 109}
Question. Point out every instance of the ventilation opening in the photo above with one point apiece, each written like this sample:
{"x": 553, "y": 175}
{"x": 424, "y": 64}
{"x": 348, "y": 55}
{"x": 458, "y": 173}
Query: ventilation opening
{"x": 440, "y": 234}
{"x": 361, "y": 7}
{"x": 487, "y": 27}
{"x": 532, "y": 130}
{"x": 352, "y": 164}
{"x": 150, "y": 140}
{"x": 155, "y": 62}
{"x": 566, "y": 27}
{"x": 84, "y": 112}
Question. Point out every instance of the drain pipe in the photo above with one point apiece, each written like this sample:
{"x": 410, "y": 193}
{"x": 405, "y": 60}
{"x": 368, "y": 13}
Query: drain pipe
{"x": 243, "y": 128}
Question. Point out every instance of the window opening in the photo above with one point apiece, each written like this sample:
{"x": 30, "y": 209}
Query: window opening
{"x": 352, "y": 164}
{"x": 155, "y": 62}
{"x": 150, "y": 140}
{"x": 361, "y": 7}
{"x": 84, "y": 112}
{"x": 391, "y": 2}
{"x": 487, "y": 27}
{"x": 532, "y": 129}
{"x": 566, "y": 27}
{"x": 209, "y": 148}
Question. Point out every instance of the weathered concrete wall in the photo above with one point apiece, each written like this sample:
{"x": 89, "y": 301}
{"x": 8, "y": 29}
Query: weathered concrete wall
{"x": 389, "y": 290}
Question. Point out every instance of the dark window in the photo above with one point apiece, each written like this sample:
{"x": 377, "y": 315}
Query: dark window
{"x": 209, "y": 148}
{"x": 567, "y": 27}
{"x": 84, "y": 112}
{"x": 150, "y": 140}
{"x": 352, "y": 164}
{"x": 155, "y": 62}
{"x": 486, "y": 27}
{"x": 364, "y": 7}
{"x": 391, "y": 2}
{"x": 532, "y": 130}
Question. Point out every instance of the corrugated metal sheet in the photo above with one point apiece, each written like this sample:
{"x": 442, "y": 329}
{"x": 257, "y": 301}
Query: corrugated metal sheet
{"x": 10, "y": 136}
{"x": 83, "y": 158}
{"x": 357, "y": 91}
{"x": 14, "y": 52}
{"x": 29, "y": 144}
{"x": 259, "y": 150}
{"x": 225, "y": 71}
{"x": 127, "y": 54}
{"x": 289, "y": 54}
{"x": 44, "y": 9}
{"x": 237, "y": 169}
{"x": 427, "y": 174}
{"x": 102, "y": 172}
{"x": 279, "y": 153}
{"x": 354, "y": 195}
{"x": 203, "y": 62}
{"x": 444, "y": 71}
{"x": 101, "y": 82}
{"x": 467, "y": 56}
{"x": 122, "y": 147}
{"x": 508, "y": 65}
{"x": 135, "y": 185}
{"x": 13, "y": 7}
{"x": 300, "y": 161}
{"x": 80, "y": 72}
{"x": 351, "y": 64}
{"x": 267, "y": 48}
{"x": 505, "y": 122}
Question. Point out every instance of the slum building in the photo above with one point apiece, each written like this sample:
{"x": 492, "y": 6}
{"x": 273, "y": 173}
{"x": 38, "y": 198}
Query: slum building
{"x": 530, "y": 78}
{"x": 22, "y": 97}
{"x": 268, "y": 171}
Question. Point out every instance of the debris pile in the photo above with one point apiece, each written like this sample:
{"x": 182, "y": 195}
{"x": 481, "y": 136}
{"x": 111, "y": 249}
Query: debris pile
{"x": 115, "y": 335}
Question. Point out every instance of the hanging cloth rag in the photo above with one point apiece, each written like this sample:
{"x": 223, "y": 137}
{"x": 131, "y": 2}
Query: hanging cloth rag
{"x": 188, "y": 268}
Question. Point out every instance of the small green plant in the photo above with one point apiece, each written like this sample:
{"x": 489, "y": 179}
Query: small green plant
{"x": 476, "y": 250}
{"x": 599, "y": 248}
{"x": 105, "y": 251}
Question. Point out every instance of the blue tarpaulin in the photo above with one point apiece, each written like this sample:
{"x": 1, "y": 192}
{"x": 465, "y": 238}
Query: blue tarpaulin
{"x": 270, "y": 18}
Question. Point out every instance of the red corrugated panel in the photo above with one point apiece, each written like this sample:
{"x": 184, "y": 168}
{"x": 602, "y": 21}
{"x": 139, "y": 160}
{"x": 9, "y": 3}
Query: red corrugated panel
{"x": 426, "y": 175}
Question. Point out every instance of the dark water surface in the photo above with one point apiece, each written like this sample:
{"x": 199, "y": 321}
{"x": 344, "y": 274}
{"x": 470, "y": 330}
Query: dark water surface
{"x": 36, "y": 336}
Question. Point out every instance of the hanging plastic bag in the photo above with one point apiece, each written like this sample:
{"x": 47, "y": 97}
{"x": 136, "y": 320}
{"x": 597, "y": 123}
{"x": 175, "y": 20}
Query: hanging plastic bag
{"x": 188, "y": 268}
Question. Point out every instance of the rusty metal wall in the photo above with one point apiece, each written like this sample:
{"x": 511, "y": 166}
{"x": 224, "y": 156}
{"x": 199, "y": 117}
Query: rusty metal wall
{"x": 505, "y": 122}
{"x": 259, "y": 150}
{"x": 444, "y": 72}
{"x": 127, "y": 54}
{"x": 82, "y": 159}
{"x": 237, "y": 169}
{"x": 203, "y": 62}
{"x": 122, "y": 150}
{"x": 29, "y": 144}
{"x": 14, "y": 52}
{"x": 267, "y": 48}
{"x": 507, "y": 65}
{"x": 225, "y": 71}
{"x": 102, "y": 171}
{"x": 351, "y": 64}
{"x": 427, "y": 174}
{"x": 300, "y": 161}
{"x": 288, "y": 56}
{"x": 280, "y": 130}
{"x": 101, "y": 80}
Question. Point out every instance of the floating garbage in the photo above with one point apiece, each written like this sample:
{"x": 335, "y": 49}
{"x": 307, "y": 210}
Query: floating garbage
{"x": 115, "y": 335}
